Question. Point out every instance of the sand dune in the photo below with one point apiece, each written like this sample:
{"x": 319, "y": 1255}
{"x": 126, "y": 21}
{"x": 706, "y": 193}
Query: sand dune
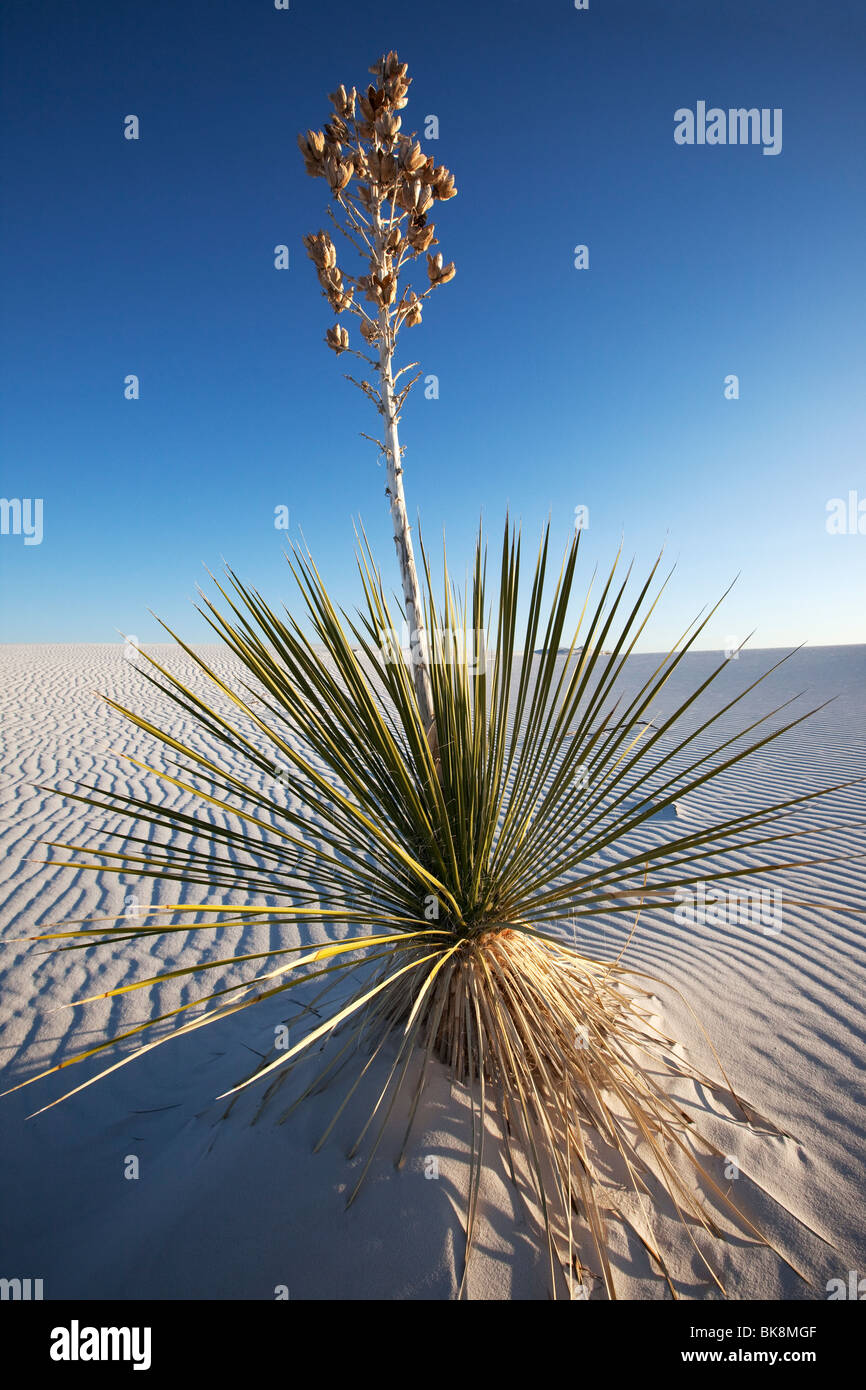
{"x": 225, "y": 1209}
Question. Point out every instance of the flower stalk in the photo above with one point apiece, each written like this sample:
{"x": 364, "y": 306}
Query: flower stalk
{"x": 383, "y": 186}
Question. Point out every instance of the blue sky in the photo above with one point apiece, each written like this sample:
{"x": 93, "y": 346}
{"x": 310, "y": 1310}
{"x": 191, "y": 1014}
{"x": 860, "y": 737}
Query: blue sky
{"x": 557, "y": 387}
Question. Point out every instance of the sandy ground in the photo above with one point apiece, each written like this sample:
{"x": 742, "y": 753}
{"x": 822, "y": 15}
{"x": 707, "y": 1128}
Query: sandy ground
{"x": 223, "y": 1208}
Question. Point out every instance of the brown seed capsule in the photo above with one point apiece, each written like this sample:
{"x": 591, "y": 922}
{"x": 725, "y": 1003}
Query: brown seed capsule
{"x": 420, "y": 238}
{"x": 338, "y": 174}
{"x": 331, "y": 280}
{"x": 443, "y": 185}
{"x": 413, "y": 312}
{"x": 384, "y": 289}
{"x": 437, "y": 273}
{"x": 369, "y": 331}
{"x": 412, "y": 158}
{"x": 399, "y": 95}
{"x": 380, "y": 166}
{"x": 417, "y": 198}
{"x": 343, "y": 102}
{"x": 387, "y": 126}
{"x": 312, "y": 156}
{"x": 340, "y": 301}
{"x": 337, "y": 338}
{"x": 320, "y": 249}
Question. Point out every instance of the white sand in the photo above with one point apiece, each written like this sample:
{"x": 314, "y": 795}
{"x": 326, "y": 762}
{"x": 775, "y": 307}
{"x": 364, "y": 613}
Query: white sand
{"x": 222, "y": 1209}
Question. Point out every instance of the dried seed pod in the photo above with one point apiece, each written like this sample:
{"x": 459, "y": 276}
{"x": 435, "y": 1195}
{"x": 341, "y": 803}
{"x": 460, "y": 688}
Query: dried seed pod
{"x": 383, "y": 289}
{"x": 420, "y": 238}
{"x": 415, "y": 193}
{"x": 331, "y": 280}
{"x": 340, "y": 301}
{"x": 320, "y": 249}
{"x": 383, "y": 167}
{"x": 387, "y": 126}
{"x": 412, "y": 157}
{"x": 415, "y": 198}
{"x": 369, "y": 331}
{"x": 377, "y": 100}
{"x": 343, "y": 102}
{"x": 312, "y": 152}
{"x": 399, "y": 94}
{"x": 338, "y": 174}
{"x": 437, "y": 273}
{"x": 443, "y": 184}
{"x": 337, "y": 338}
{"x": 413, "y": 312}
{"x": 392, "y": 67}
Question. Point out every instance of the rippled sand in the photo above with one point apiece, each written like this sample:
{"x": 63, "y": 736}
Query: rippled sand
{"x": 228, "y": 1210}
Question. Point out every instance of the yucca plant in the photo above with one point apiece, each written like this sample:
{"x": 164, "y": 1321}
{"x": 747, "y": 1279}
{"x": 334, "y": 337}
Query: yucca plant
{"x": 448, "y": 888}
{"x": 449, "y": 805}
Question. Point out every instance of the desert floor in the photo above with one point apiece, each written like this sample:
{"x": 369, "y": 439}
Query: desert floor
{"x": 225, "y": 1209}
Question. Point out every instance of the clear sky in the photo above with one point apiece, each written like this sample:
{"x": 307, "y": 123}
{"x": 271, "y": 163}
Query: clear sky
{"x": 558, "y": 387}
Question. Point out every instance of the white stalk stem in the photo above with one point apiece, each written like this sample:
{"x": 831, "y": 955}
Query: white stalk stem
{"x": 400, "y": 520}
